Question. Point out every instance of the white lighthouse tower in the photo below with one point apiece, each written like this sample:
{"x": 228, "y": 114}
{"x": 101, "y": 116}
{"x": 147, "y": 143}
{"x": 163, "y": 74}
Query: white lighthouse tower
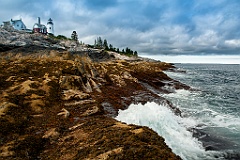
{"x": 50, "y": 29}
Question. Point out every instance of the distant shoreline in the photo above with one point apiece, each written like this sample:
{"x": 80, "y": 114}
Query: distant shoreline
{"x": 200, "y": 59}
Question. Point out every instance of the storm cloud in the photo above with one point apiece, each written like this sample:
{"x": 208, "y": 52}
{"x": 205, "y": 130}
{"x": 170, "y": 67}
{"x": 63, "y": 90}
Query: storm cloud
{"x": 169, "y": 27}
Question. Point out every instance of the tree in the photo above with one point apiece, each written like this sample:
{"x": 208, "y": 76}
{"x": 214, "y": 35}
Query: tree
{"x": 61, "y": 37}
{"x": 95, "y": 43}
{"x": 74, "y": 37}
{"x": 110, "y": 47}
{"x": 135, "y": 53}
{"x": 105, "y": 44}
{"x": 128, "y": 50}
{"x": 99, "y": 42}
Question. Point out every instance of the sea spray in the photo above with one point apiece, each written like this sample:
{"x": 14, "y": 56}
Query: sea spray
{"x": 173, "y": 128}
{"x": 212, "y": 109}
{"x": 214, "y": 105}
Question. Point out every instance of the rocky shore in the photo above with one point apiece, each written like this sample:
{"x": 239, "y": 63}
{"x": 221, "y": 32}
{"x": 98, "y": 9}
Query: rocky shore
{"x": 58, "y": 104}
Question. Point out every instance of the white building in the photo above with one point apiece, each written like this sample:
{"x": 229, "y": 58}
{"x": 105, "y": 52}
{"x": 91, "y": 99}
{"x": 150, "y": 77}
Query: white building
{"x": 16, "y": 24}
{"x": 50, "y": 28}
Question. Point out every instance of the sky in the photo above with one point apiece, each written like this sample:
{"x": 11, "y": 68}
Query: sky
{"x": 151, "y": 27}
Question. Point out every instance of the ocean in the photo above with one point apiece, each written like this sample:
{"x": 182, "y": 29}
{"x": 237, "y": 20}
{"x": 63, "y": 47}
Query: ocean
{"x": 209, "y": 127}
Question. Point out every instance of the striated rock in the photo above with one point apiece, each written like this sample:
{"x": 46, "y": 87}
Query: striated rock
{"x": 75, "y": 127}
{"x": 36, "y": 105}
{"x": 4, "y": 107}
{"x": 116, "y": 79}
{"x": 74, "y": 95}
{"x": 75, "y": 83}
{"x": 127, "y": 75}
{"x": 95, "y": 86}
{"x": 24, "y": 87}
{"x": 82, "y": 102}
{"x": 65, "y": 113}
{"x": 92, "y": 111}
{"x": 56, "y": 104}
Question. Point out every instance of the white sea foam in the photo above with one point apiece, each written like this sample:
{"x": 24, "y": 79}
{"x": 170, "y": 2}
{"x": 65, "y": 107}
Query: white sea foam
{"x": 194, "y": 105}
{"x": 215, "y": 107}
{"x": 168, "y": 125}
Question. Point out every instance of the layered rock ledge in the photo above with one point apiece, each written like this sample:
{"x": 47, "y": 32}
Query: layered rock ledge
{"x": 60, "y": 105}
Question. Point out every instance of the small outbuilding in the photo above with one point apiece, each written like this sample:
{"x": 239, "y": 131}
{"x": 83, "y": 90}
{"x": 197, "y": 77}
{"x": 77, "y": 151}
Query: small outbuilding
{"x": 39, "y": 28}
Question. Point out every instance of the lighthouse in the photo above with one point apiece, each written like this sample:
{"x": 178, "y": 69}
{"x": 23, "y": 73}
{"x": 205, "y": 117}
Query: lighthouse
{"x": 50, "y": 29}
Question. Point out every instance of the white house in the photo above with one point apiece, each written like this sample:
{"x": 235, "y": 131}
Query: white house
{"x": 16, "y": 24}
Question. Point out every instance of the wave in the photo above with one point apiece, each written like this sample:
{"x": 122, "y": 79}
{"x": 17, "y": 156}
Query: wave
{"x": 209, "y": 125}
{"x": 173, "y": 128}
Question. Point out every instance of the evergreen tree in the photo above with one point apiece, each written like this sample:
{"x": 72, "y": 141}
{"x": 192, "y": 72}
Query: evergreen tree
{"x": 110, "y": 47}
{"x": 105, "y": 44}
{"x": 95, "y": 43}
{"x": 135, "y": 53}
{"x": 99, "y": 42}
{"x": 74, "y": 36}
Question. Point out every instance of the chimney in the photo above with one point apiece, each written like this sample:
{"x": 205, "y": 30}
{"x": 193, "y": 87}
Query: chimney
{"x": 39, "y": 21}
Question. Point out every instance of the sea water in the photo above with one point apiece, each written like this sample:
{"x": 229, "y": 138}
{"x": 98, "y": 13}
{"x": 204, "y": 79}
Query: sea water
{"x": 209, "y": 127}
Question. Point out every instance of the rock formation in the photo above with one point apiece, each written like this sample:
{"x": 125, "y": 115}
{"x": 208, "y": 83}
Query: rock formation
{"x": 59, "y": 105}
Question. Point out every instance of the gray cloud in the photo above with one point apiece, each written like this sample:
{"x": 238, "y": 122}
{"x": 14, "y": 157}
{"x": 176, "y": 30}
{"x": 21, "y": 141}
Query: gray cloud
{"x": 150, "y": 27}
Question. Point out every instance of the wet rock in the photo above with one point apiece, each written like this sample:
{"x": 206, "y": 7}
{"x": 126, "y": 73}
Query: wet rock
{"x": 210, "y": 141}
{"x": 109, "y": 109}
